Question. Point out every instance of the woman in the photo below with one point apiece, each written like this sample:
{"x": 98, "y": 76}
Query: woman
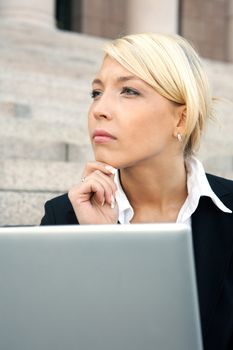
{"x": 151, "y": 100}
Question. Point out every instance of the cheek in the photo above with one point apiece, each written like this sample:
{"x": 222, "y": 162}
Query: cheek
{"x": 89, "y": 122}
{"x": 144, "y": 124}
{"x": 152, "y": 127}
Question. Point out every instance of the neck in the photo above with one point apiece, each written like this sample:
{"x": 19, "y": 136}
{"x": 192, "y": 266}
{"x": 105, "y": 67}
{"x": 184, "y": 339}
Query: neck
{"x": 158, "y": 185}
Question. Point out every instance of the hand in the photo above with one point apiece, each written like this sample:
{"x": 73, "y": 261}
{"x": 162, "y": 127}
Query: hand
{"x": 93, "y": 200}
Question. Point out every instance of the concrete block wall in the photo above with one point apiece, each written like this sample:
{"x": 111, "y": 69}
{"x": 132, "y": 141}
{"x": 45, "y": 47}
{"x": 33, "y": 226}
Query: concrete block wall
{"x": 45, "y": 77}
{"x": 216, "y": 149}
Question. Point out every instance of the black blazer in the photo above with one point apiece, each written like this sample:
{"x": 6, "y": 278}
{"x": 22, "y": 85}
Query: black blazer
{"x": 212, "y": 232}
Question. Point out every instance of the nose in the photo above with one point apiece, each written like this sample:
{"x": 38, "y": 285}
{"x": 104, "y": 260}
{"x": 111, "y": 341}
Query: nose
{"x": 102, "y": 107}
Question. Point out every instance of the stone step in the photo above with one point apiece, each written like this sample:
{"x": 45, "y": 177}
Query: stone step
{"x": 27, "y": 150}
{"x": 54, "y": 43}
{"x": 46, "y": 176}
{"x": 44, "y": 131}
{"x": 41, "y": 97}
{"x": 217, "y": 140}
{"x": 219, "y": 67}
{"x": 49, "y": 114}
{"x": 221, "y": 165}
{"x": 220, "y": 76}
{"x": 15, "y": 60}
{"x": 23, "y": 208}
{"x": 52, "y": 52}
{"x": 13, "y": 148}
{"x": 18, "y": 34}
{"x": 40, "y": 89}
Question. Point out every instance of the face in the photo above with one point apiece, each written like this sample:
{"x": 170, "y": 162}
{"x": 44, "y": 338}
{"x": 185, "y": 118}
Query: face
{"x": 129, "y": 122}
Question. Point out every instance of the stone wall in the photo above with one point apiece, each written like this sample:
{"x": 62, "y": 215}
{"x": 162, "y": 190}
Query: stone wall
{"x": 104, "y": 18}
{"x": 45, "y": 79}
{"x": 205, "y": 23}
{"x": 44, "y": 95}
{"x": 216, "y": 150}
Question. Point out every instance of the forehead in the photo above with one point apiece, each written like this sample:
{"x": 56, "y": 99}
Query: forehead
{"x": 110, "y": 63}
{"x": 114, "y": 71}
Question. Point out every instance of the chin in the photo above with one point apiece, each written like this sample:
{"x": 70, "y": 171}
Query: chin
{"x": 115, "y": 159}
{"x": 115, "y": 163}
{"x": 107, "y": 158}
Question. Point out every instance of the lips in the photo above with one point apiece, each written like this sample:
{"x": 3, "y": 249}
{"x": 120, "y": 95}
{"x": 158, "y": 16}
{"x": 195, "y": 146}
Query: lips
{"x": 102, "y": 136}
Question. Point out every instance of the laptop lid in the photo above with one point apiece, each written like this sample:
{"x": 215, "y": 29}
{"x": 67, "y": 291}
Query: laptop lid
{"x": 111, "y": 287}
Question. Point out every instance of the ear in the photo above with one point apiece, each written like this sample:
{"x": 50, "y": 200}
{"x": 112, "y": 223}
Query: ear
{"x": 180, "y": 120}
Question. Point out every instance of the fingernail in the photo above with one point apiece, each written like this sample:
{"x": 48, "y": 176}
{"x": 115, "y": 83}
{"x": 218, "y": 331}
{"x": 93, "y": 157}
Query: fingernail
{"x": 102, "y": 204}
{"x": 112, "y": 202}
{"x": 111, "y": 169}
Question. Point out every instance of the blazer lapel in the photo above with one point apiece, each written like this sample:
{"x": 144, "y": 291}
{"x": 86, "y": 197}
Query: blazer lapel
{"x": 212, "y": 243}
{"x": 71, "y": 217}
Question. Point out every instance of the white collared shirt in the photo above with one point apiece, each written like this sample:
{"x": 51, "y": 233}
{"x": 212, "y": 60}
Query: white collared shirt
{"x": 197, "y": 185}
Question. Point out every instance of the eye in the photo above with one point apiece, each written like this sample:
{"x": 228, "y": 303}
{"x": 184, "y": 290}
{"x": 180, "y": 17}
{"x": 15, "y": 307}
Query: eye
{"x": 95, "y": 93}
{"x": 129, "y": 91}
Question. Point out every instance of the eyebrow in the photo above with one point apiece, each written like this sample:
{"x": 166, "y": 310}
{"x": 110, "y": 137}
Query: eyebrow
{"x": 118, "y": 80}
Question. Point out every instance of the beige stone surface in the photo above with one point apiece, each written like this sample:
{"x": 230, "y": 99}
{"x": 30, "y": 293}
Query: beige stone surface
{"x": 217, "y": 142}
{"x": 31, "y": 11}
{"x": 80, "y": 153}
{"x": 45, "y": 80}
{"x": 15, "y": 148}
{"x": 223, "y": 165}
{"x": 34, "y": 175}
{"x": 152, "y": 16}
{"x": 23, "y": 208}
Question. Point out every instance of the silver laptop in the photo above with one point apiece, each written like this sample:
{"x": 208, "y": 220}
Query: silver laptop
{"x": 120, "y": 287}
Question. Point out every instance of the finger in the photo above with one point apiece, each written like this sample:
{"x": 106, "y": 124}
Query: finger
{"x": 82, "y": 194}
{"x": 107, "y": 184}
{"x": 103, "y": 167}
{"x": 97, "y": 186}
{"x": 108, "y": 179}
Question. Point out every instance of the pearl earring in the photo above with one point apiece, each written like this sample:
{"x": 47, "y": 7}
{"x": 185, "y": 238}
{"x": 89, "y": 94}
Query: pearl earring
{"x": 179, "y": 137}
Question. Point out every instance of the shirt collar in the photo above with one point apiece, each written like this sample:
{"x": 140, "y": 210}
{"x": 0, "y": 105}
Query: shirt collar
{"x": 197, "y": 185}
{"x": 126, "y": 211}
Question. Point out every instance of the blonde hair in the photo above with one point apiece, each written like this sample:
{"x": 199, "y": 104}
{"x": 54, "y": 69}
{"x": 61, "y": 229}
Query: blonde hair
{"x": 173, "y": 68}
